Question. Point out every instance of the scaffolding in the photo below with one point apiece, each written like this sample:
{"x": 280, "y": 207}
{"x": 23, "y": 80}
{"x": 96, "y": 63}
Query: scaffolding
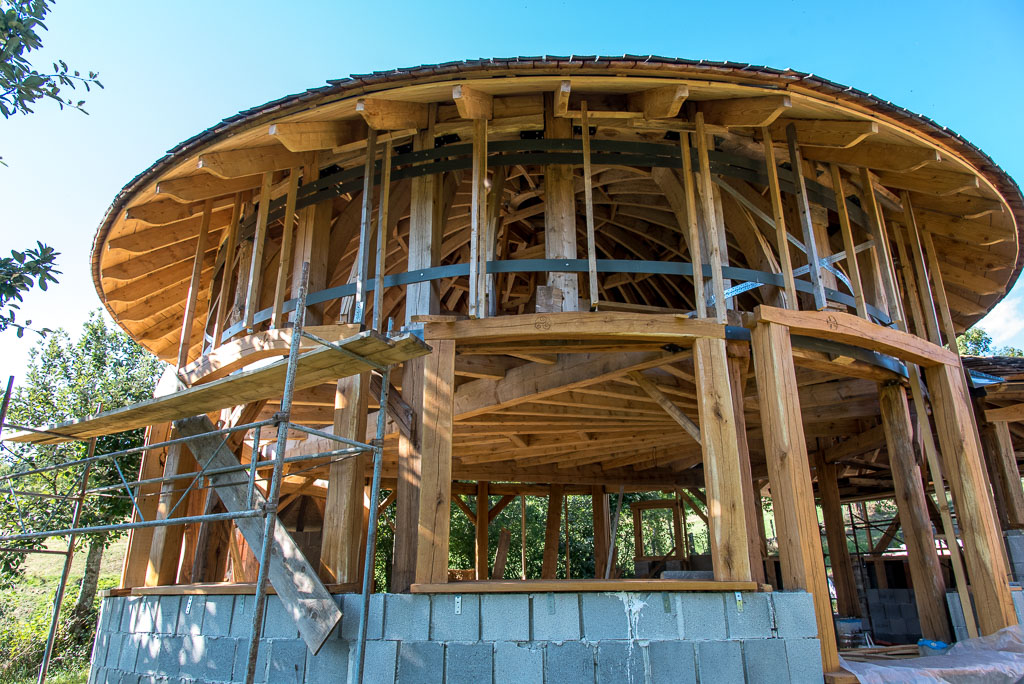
{"x": 265, "y": 509}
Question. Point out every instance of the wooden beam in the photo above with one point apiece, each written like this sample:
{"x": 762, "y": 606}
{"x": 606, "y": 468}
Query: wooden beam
{"x": 552, "y": 532}
{"x": 252, "y": 300}
{"x": 986, "y": 561}
{"x": 287, "y": 238}
{"x": 392, "y": 115}
{"x": 806, "y": 220}
{"x": 497, "y": 508}
{"x": 136, "y": 559}
{"x": 473, "y": 103}
{"x": 665, "y": 403}
{"x": 659, "y": 103}
{"x": 561, "y": 99}
{"x": 436, "y": 446}
{"x": 604, "y": 325}
{"x": 796, "y": 520}
{"x": 560, "y": 210}
{"x": 602, "y": 529}
{"x": 779, "y": 216}
{"x": 501, "y": 554}
{"x": 925, "y": 573}
{"x": 343, "y": 531}
{"x": 481, "y": 523}
{"x": 722, "y": 466}
{"x": 581, "y": 585}
{"x": 161, "y": 211}
{"x": 881, "y": 156}
{"x": 739, "y": 373}
{"x": 714, "y": 231}
{"x": 1004, "y": 473}
{"x": 588, "y": 202}
{"x": 843, "y": 327}
{"x": 310, "y": 136}
{"x": 204, "y": 186}
{"x": 249, "y": 161}
{"x": 853, "y": 270}
{"x": 1004, "y": 414}
{"x": 311, "y": 606}
{"x": 745, "y": 111}
{"x": 826, "y": 133}
{"x": 230, "y": 245}
{"x": 930, "y": 180}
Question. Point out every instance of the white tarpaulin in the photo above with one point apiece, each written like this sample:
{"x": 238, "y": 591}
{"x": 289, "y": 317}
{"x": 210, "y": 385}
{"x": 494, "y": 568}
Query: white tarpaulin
{"x": 996, "y": 658}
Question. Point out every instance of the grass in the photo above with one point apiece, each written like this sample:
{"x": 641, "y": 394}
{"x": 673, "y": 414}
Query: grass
{"x": 25, "y": 615}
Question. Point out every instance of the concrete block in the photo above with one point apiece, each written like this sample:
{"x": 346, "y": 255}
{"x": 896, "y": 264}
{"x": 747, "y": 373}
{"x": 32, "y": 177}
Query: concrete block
{"x": 129, "y": 606}
{"x": 106, "y": 649}
{"x": 352, "y": 608}
{"x": 794, "y": 614}
{"x": 620, "y": 661}
{"x": 241, "y": 616}
{"x": 753, "y": 620}
{"x": 455, "y": 617}
{"x": 379, "y": 666}
{"x": 505, "y": 617}
{"x": 217, "y": 618}
{"x": 110, "y": 614}
{"x": 1018, "y": 603}
{"x": 702, "y": 615}
{"x": 208, "y": 658}
{"x": 469, "y": 663}
{"x": 719, "y": 662}
{"x": 764, "y": 661}
{"x": 129, "y": 652}
{"x": 287, "y": 661}
{"x": 672, "y": 662}
{"x": 190, "y": 615}
{"x": 804, "y": 659}
{"x": 331, "y": 663}
{"x": 556, "y": 617}
{"x": 657, "y": 617}
{"x": 146, "y": 615}
{"x": 516, "y": 663}
{"x": 242, "y": 660}
{"x": 407, "y": 617}
{"x": 570, "y": 662}
{"x": 167, "y": 610}
{"x": 419, "y": 662}
{"x": 277, "y": 621}
{"x": 606, "y": 616}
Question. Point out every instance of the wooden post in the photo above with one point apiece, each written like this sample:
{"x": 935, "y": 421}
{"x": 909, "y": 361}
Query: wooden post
{"x": 714, "y": 233}
{"x": 365, "y": 228}
{"x": 312, "y": 244}
{"x": 835, "y": 532}
{"x": 284, "y": 259}
{"x": 501, "y": 553}
{"x": 552, "y": 532}
{"x": 165, "y": 544}
{"x": 876, "y": 226}
{"x": 435, "y": 490}
{"x": 193, "y": 287}
{"x": 848, "y": 243}
{"x": 804, "y": 209}
{"x": 602, "y": 529}
{"x": 230, "y": 245}
{"x": 482, "y": 539}
{"x": 559, "y": 214}
{"x": 588, "y": 197}
{"x": 522, "y": 537}
{"x": 341, "y": 537}
{"x": 727, "y": 515}
{"x": 779, "y": 216}
{"x": 136, "y": 559}
{"x": 986, "y": 562}
{"x": 796, "y": 520}
{"x": 1003, "y": 472}
{"x": 477, "y": 218}
{"x": 739, "y": 366}
{"x": 252, "y": 299}
{"x": 925, "y": 573}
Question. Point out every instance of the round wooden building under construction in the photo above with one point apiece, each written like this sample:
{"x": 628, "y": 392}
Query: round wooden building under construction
{"x": 721, "y": 282}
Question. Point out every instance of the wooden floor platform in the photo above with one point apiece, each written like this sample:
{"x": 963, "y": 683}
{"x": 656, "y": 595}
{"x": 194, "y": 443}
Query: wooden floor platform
{"x": 539, "y": 586}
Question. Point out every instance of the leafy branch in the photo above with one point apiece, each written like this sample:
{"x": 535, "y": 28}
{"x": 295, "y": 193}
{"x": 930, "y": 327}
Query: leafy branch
{"x": 19, "y": 273}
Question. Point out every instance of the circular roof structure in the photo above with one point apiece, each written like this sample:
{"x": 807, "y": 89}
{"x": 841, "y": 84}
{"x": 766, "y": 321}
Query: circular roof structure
{"x": 145, "y": 246}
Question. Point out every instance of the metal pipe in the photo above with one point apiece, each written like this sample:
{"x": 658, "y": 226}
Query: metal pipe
{"x": 371, "y": 531}
{"x": 165, "y": 522}
{"x": 362, "y": 446}
{"x": 133, "y": 450}
{"x": 274, "y": 491}
{"x": 68, "y": 558}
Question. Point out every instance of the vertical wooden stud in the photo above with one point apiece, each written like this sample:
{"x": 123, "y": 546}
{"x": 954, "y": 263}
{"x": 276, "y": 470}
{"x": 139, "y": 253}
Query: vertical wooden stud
{"x": 192, "y": 301}
{"x": 804, "y": 209}
{"x": 224, "y": 308}
{"x": 779, "y": 216}
{"x": 835, "y": 531}
{"x": 588, "y": 197}
{"x": 848, "y": 243}
{"x": 252, "y": 300}
{"x": 287, "y": 238}
{"x": 482, "y": 537}
{"x": 552, "y": 532}
{"x": 712, "y": 228}
{"x": 692, "y": 229}
{"x": 365, "y": 228}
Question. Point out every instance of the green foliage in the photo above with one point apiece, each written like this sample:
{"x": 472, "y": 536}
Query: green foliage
{"x": 66, "y": 380}
{"x": 19, "y": 273}
{"x": 976, "y": 342}
{"x": 21, "y": 84}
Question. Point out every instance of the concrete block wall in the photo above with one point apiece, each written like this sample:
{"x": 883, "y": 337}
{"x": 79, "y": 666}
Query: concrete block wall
{"x": 893, "y": 615}
{"x": 956, "y": 613}
{"x": 561, "y": 638}
{"x": 1014, "y": 540}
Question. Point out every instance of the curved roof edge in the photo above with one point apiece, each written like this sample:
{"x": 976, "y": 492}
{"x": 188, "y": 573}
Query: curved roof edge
{"x": 784, "y": 78}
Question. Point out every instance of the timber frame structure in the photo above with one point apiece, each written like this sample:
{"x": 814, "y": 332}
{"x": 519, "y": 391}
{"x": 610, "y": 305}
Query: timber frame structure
{"x": 637, "y": 274}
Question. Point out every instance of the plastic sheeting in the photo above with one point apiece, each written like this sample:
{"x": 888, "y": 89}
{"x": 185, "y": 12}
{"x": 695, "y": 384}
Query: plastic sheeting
{"x": 995, "y": 658}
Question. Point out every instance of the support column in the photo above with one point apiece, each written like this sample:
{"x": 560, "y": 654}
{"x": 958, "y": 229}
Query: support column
{"x": 312, "y": 244}
{"x": 986, "y": 563}
{"x": 136, "y": 559}
{"x": 739, "y": 370}
{"x": 559, "y": 218}
{"x": 925, "y": 573}
{"x": 482, "y": 539}
{"x": 1003, "y": 472}
{"x": 835, "y": 532}
{"x": 602, "y": 529}
{"x": 727, "y": 516}
{"x": 552, "y": 532}
{"x": 342, "y": 549}
{"x": 435, "y": 485}
{"x": 796, "y": 520}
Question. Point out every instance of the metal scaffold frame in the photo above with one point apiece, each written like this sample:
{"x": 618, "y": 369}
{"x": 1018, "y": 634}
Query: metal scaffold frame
{"x": 267, "y": 510}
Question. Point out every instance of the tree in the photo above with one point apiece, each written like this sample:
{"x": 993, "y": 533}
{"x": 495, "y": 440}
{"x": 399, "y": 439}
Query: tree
{"x": 19, "y": 273}
{"x": 976, "y": 342}
{"x": 102, "y": 370}
{"x": 21, "y": 85}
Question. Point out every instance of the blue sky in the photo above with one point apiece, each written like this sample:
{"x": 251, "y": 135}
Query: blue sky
{"x": 173, "y": 69}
